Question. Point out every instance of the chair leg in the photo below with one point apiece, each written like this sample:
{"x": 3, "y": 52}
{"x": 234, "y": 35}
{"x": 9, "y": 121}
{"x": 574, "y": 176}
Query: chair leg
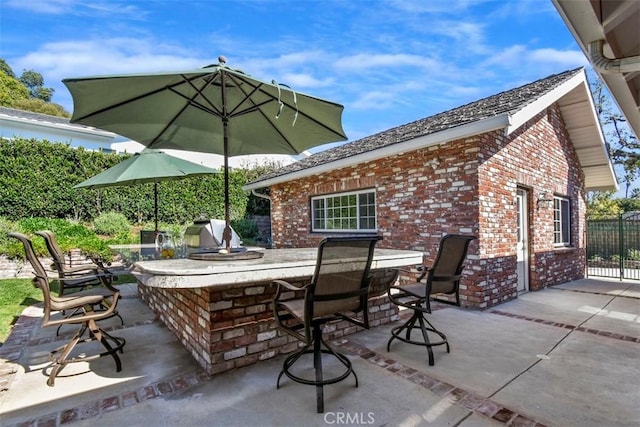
{"x": 317, "y": 364}
{"x": 60, "y": 356}
{"x": 319, "y": 382}
{"x": 425, "y": 328}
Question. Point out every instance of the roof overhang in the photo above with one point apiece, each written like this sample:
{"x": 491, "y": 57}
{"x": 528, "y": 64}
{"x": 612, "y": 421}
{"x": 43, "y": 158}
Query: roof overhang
{"x": 580, "y": 117}
{"x": 8, "y": 121}
{"x": 617, "y": 24}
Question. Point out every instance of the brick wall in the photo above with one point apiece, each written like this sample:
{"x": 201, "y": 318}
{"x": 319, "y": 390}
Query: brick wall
{"x": 466, "y": 187}
{"x": 233, "y": 326}
{"x": 14, "y": 268}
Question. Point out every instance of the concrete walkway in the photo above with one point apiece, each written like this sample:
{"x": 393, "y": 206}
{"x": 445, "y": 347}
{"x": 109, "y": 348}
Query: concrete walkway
{"x": 563, "y": 356}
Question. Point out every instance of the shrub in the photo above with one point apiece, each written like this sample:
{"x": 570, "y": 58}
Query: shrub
{"x": 633, "y": 254}
{"x": 111, "y": 224}
{"x": 247, "y": 229}
{"x": 69, "y": 235}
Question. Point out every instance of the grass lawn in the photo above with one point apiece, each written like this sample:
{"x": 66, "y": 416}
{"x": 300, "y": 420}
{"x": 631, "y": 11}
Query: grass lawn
{"x": 18, "y": 294}
{"x": 15, "y": 296}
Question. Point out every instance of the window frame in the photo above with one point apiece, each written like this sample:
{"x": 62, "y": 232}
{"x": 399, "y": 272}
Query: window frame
{"x": 561, "y": 221}
{"x": 359, "y": 214}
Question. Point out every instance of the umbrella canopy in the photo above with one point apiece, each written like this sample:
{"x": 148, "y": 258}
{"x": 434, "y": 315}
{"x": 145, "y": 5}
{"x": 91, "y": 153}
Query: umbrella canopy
{"x": 147, "y": 166}
{"x": 214, "y": 109}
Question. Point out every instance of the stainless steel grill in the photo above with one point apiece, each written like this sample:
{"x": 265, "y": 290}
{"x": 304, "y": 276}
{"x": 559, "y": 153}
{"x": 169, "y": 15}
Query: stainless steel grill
{"x": 206, "y": 235}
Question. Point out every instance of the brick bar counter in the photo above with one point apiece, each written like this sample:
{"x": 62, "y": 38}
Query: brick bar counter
{"x": 221, "y": 311}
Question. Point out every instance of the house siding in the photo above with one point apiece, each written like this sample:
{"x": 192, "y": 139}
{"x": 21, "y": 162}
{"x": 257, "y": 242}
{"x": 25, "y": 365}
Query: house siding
{"x": 466, "y": 186}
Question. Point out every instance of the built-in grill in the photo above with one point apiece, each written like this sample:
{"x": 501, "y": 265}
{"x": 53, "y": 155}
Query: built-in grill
{"x": 206, "y": 236}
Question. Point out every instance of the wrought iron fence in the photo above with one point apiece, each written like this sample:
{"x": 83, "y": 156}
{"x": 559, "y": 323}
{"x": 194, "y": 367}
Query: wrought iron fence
{"x": 613, "y": 248}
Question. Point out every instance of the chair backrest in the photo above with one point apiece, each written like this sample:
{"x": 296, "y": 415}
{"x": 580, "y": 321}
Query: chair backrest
{"x": 54, "y": 250}
{"x": 341, "y": 279}
{"x": 41, "y": 280}
{"x": 447, "y": 268}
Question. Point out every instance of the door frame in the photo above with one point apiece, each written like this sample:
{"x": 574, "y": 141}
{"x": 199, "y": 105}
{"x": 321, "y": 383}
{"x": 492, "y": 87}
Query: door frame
{"x": 523, "y": 233}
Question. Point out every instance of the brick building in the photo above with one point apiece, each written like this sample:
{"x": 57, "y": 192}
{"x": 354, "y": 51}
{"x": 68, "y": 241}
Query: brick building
{"x": 511, "y": 169}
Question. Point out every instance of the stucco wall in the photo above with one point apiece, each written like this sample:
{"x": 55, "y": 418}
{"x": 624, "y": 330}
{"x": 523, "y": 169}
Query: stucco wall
{"x": 465, "y": 187}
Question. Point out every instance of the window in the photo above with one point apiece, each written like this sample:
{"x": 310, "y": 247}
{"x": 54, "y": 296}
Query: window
{"x": 344, "y": 212}
{"x": 561, "y": 221}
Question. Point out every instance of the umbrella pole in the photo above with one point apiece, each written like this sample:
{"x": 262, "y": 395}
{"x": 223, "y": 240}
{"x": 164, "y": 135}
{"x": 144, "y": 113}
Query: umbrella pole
{"x": 155, "y": 204}
{"x": 226, "y": 234}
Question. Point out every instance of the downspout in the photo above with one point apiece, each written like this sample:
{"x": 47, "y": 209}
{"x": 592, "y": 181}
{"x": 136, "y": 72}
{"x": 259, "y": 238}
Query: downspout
{"x": 611, "y": 66}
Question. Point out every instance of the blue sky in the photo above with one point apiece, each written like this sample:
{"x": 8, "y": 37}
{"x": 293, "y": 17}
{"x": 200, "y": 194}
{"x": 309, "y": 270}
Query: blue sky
{"x": 388, "y": 62}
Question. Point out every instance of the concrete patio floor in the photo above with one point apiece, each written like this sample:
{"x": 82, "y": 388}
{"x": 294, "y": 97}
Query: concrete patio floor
{"x": 564, "y": 356}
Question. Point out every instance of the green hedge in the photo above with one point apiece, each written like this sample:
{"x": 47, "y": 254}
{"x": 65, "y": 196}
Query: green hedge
{"x": 69, "y": 235}
{"x": 37, "y": 179}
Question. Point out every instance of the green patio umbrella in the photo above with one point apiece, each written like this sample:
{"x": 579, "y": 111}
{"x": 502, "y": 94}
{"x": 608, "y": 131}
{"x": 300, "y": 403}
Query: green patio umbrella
{"x": 214, "y": 109}
{"x": 147, "y": 166}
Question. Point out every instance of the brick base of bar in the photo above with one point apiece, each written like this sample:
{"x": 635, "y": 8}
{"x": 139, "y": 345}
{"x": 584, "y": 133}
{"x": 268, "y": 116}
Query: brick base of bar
{"x": 233, "y": 326}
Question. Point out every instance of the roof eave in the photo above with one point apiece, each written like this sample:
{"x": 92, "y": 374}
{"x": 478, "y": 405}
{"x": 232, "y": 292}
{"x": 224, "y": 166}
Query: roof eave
{"x": 59, "y": 126}
{"x": 585, "y": 28}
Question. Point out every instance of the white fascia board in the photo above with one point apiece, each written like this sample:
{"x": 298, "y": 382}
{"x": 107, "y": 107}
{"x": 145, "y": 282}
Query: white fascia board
{"x": 501, "y": 121}
{"x": 542, "y": 103}
{"x": 66, "y": 127}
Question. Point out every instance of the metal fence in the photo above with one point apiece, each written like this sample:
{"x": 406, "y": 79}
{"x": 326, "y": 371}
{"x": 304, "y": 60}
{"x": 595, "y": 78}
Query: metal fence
{"x": 613, "y": 248}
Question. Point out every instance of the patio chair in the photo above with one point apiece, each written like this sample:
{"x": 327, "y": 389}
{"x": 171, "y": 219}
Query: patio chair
{"x": 442, "y": 278}
{"x": 78, "y": 277}
{"x": 85, "y": 302}
{"x": 337, "y": 291}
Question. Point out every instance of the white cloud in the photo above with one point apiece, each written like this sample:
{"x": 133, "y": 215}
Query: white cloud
{"x": 374, "y": 100}
{"x": 53, "y": 7}
{"x": 76, "y": 7}
{"x": 365, "y": 61}
{"x": 301, "y": 80}
{"x": 430, "y": 6}
{"x": 520, "y": 56}
{"x": 564, "y": 58}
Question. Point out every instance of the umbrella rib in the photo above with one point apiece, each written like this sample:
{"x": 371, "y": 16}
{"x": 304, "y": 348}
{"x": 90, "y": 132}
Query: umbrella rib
{"x": 138, "y": 97}
{"x": 247, "y": 97}
{"x": 214, "y": 110}
{"x": 189, "y": 102}
{"x": 302, "y": 113}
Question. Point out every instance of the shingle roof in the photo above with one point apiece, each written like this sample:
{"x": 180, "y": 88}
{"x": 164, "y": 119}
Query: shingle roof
{"x": 505, "y": 102}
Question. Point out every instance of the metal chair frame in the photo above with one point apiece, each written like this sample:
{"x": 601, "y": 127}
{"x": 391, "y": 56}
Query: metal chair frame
{"x": 443, "y": 277}
{"x": 303, "y": 318}
{"x": 84, "y": 303}
{"x": 78, "y": 277}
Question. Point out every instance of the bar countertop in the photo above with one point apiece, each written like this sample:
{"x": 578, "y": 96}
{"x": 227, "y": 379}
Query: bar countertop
{"x": 275, "y": 264}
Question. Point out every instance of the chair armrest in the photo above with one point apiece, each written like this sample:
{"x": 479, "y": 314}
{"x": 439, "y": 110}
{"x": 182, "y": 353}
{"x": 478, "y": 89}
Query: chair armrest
{"x": 281, "y": 284}
{"x": 425, "y": 270}
{"x": 80, "y": 270}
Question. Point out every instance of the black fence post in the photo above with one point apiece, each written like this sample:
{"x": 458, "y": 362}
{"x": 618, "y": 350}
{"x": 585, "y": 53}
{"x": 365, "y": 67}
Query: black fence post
{"x": 621, "y": 250}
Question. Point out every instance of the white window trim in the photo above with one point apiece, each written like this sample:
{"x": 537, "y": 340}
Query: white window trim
{"x": 560, "y": 200}
{"x": 344, "y": 230}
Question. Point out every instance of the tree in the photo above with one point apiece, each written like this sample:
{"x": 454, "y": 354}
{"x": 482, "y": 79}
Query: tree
{"x": 600, "y": 205}
{"x": 11, "y": 90}
{"x": 39, "y": 106}
{"x": 35, "y": 83}
{"x": 624, "y": 147}
{"x": 27, "y": 93}
{"x": 6, "y": 69}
